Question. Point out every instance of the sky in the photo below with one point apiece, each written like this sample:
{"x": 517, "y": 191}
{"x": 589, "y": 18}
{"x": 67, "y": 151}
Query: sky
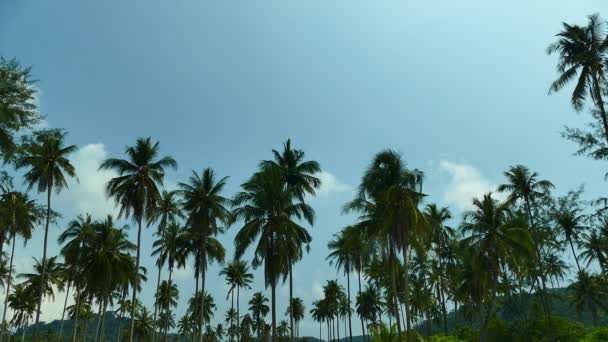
{"x": 460, "y": 88}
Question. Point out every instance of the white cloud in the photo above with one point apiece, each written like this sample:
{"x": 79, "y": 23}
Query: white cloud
{"x": 88, "y": 194}
{"x": 466, "y": 183}
{"x": 317, "y": 290}
{"x": 331, "y": 185}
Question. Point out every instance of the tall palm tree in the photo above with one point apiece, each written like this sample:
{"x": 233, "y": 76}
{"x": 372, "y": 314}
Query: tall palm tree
{"x": 570, "y": 223}
{"x": 268, "y": 211}
{"x": 144, "y": 325}
{"x": 46, "y": 157}
{"x": 259, "y": 309}
{"x": 594, "y": 247}
{"x": 237, "y": 276}
{"x": 299, "y": 177}
{"x": 589, "y": 291}
{"x": 582, "y": 51}
{"x": 23, "y": 305}
{"x": 524, "y": 186}
{"x": 136, "y": 190}
{"x": 167, "y": 210}
{"x": 202, "y": 302}
{"x": 298, "y": 309}
{"x": 166, "y": 298}
{"x": 368, "y": 304}
{"x": 206, "y": 210}
{"x": 22, "y": 215}
{"x": 496, "y": 239}
{"x": 342, "y": 253}
{"x": 388, "y": 197}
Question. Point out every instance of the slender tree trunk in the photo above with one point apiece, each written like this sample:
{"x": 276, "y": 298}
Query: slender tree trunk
{"x": 238, "y": 314}
{"x": 350, "y": 327}
{"x": 84, "y": 331}
{"x": 203, "y": 270}
{"x": 136, "y": 280}
{"x": 394, "y": 288}
{"x": 155, "y": 304}
{"x": 8, "y": 286}
{"x": 65, "y": 304}
{"x": 167, "y": 305}
{"x": 406, "y": 285}
{"x": 362, "y": 324}
{"x": 196, "y": 327}
{"x": 98, "y": 319}
{"x": 600, "y": 104}
{"x": 231, "y": 331}
{"x": 46, "y": 237}
{"x": 338, "y": 327}
{"x": 23, "y": 332}
{"x": 574, "y": 254}
{"x": 103, "y": 319}
{"x": 77, "y": 313}
{"x": 274, "y": 310}
{"x": 291, "y": 303}
{"x": 320, "y": 337}
{"x": 483, "y": 334}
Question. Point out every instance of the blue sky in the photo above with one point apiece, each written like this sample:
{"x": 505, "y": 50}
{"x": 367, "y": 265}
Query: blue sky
{"x": 460, "y": 88}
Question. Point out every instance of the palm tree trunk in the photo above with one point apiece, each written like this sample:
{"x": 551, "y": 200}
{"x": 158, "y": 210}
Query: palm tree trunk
{"x": 98, "y": 319}
{"x": 77, "y": 312}
{"x": 168, "y": 304}
{"x": 65, "y": 304}
{"x": 362, "y": 324}
{"x": 483, "y": 335}
{"x": 320, "y": 337}
{"x": 46, "y": 237}
{"x": 600, "y": 104}
{"x": 23, "y": 332}
{"x": 406, "y": 285}
{"x": 103, "y": 319}
{"x": 394, "y": 288}
{"x": 231, "y": 331}
{"x": 291, "y": 303}
{"x": 84, "y": 331}
{"x": 8, "y": 287}
{"x": 574, "y": 254}
{"x": 155, "y": 305}
{"x": 274, "y": 310}
{"x": 136, "y": 280}
{"x": 350, "y": 327}
{"x": 238, "y": 314}
{"x": 196, "y": 327}
{"x": 202, "y": 318}
{"x": 338, "y": 326}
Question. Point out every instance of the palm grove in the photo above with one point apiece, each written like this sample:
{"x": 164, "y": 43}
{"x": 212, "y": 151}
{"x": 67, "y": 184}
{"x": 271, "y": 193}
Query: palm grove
{"x": 413, "y": 268}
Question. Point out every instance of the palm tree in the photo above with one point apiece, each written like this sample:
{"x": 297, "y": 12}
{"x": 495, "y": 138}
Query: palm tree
{"x": 135, "y": 190}
{"x": 199, "y": 301}
{"x": 166, "y": 298}
{"x": 523, "y": 185}
{"x": 144, "y": 325}
{"x": 22, "y": 215}
{"x": 342, "y": 253}
{"x": 259, "y": 309}
{"x": 53, "y": 278}
{"x": 206, "y": 211}
{"x": 496, "y": 239}
{"x": 569, "y": 221}
{"x": 237, "y": 276}
{"x": 594, "y": 247}
{"x": 589, "y": 291}
{"x": 167, "y": 210}
{"x": 298, "y": 309}
{"x": 299, "y": 178}
{"x": 46, "y": 157}
{"x": 388, "y": 198}
{"x": 267, "y": 210}
{"x": 368, "y": 304}
{"x": 582, "y": 51}
{"x": 317, "y": 313}
{"x": 23, "y": 305}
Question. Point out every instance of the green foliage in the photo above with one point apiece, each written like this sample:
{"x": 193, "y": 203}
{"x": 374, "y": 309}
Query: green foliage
{"x": 598, "y": 335}
{"x": 443, "y": 338}
{"x": 536, "y": 330}
{"x": 467, "y": 334}
{"x": 498, "y": 331}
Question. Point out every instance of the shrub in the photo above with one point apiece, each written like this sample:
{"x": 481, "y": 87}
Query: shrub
{"x": 598, "y": 335}
{"x": 536, "y": 330}
{"x": 443, "y": 338}
{"x": 467, "y": 334}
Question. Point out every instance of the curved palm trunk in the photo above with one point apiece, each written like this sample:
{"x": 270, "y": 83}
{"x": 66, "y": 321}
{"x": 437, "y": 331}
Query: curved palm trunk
{"x": 65, "y": 304}
{"x": 202, "y": 318}
{"x": 350, "y": 327}
{"x": 291, "y": 303}
{"x": 155, "y": 305}
{"x": 136, "y": 281}
{"x": 406, "y": 285}
{"x": 8, "y": 288}
{"x": 600, "y": 103}
{"x": 76, "y": 314}
{"x": 362, "y": 324}
{"x": 46, "y": 237}
{"x": 394, "y": 288}
{"x": 574, "y": 254}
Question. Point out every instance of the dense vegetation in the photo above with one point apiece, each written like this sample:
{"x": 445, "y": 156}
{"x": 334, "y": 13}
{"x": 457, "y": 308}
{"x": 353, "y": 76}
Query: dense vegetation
{"x": 495, "y": 276}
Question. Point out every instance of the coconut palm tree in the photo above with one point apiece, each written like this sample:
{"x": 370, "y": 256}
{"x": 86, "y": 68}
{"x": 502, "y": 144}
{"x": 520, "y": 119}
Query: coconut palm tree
{"x": 237, "y": 276}
{"x": 299, "y": 178}
{"x": 525, "y": 186}
{"x": 268, "y": 211}
{"x": 144, "y": 325}
{"x": 259, "y": 309}
{"x": 167, "y": 210}
{"x": 589, "y": 291}
{"x": 22, "y": 214}
{"x": 496, "y": 238}
{"x": 388, "y": 198}
{"x": 594, "y": 248}
{"x": 46, "y": 158}
{"x": 136, "y": 191}
{"x": 23, "y": 304}
{"x": 206, "y": 210}
{"x": 166, "y": 298}
{"x": 343, "y": 254}
{"x": 582, "y": 51}
{"x": 199, "y": 301}
{"x": 570, "y": 222}
{"x": 52, "y": 278}
{"x": 298, "y": 309}
{"x": 368, "y": 304}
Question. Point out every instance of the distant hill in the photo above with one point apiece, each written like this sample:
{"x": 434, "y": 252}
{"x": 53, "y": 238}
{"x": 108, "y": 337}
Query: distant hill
{"x": 508, "y": 311}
